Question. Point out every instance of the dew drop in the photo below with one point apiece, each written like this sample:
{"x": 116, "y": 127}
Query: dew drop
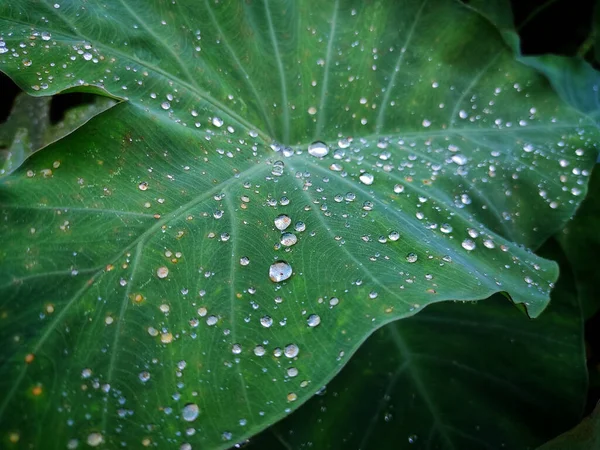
{"x": 162, "y": 272}
{"x": 282, "y": 222}
{"x": 217, "y": 122}
{"x": 412, "y": 257}
{"x": 468, "y": 244}
{"x": 165, "y": 105}
{"x": 266, "y": 321}
{"x": 190, "y": 412}
{"x": 459, "y": 159}
{"x": 394, "y": 236}
{"x": 95, "y": 439}
{"x": 313, "y": 320}
{"x": 367, "y": 178}
{"x": 318, "y": 149}
{"x": 288, "y": 239}
{"x": 244, "y": 260}
{"x": 291, "y": 350}
{"x": 280, "y": 271}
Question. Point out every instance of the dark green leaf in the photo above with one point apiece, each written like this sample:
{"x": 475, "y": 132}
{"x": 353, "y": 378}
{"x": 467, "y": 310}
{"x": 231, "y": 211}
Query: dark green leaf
{"x": 459, "y": 159}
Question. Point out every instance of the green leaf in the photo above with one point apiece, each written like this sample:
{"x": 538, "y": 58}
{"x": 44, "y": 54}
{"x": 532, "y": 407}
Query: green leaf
{"x": 462, "y": 376}
{"x": 28, "y": 128}
{"x": 135, "y": 279}
{"x": 585, "y": 436}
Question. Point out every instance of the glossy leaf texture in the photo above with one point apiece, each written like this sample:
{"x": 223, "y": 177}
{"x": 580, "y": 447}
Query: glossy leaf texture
{"x": 150, "y": 293}
{"x": 456, "y": 376}
{"x": 29, "y": 128}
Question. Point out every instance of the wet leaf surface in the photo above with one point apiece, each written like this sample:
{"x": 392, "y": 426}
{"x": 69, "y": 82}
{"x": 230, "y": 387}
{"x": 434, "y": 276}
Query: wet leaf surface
{"x": 281, "y": 180}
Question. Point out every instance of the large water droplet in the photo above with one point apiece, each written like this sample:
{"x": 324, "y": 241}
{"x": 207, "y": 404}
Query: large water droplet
{"x": 318, "y": 149}
{"x": 190, "y": 412}
{"x": 367, "y": 178}
{"x": 280, "y": 271}
{"x": 288, "y": 239}
{"x": 291, "y": 350}
{"x": 313, "y": 320}
{"x": 282, "y": 222}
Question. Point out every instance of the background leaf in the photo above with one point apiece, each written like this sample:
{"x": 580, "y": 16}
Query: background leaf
{"x": 584, "y": 436}
{"x": 136, "y": 300}
{"x": 29, "y": 129}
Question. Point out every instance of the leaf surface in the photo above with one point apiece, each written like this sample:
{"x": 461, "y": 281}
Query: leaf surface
{"x": 456, "y": 376}
{"x": 137, "y": 304}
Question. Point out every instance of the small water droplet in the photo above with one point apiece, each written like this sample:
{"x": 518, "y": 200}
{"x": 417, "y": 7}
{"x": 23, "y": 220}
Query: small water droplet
{"x": 266, "y": 321}
{"x": 162, "y": 272}
{"x": 165, "y": 105}
{"x": 217, "y": 122}
{"x": 244, "y": 260}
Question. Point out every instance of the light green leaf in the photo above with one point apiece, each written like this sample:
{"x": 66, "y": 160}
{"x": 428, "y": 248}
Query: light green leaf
{"x": 456, "y": 376}
{"x": 136, "y": 278}
{"x": 28, "y": 128}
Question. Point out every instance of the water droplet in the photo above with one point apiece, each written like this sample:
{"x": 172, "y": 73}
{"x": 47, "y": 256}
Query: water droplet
{"x": 190, "y": 412}
{"x": 280, "y": 271}
{"x": 300, "y": 226}
{"x": 446, "y": 228}
{"x": 292, "y": 372}
{"x": 282, "y": 222}
{"x": 398, "y": 189}
{"x": 367, "y": 178}
{"x": 236, "y": 349}
{"x": 468, "y": 244}
{"x": 288, "y": 239}
{"x": 266, "y": 321}
{"x": 394, "y": 236}
{"x": 162, "y": 272}
{"x": 291, "y": 350}
{"x": 313, "y": 320}
{"x": 144, "y": 376}
{"x": 244, "y": 260}
{"x": 459, "y": 159}
{"x": 412, "y": 257}
{"x": 277, "y": 169}
{"x": 95, "y": 439}
{"x": 318, "y": 149}
{"x": 259, "y": 350}
{"x": 217, "y": 122}
{"x": 412, "y": 439}
{"x": 165, "y": 105}
{"x": 211, "y": 320}
{"x": 143, "y": 186}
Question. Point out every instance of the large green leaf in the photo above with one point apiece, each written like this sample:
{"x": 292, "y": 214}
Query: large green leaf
{"x": 135, "y": 276}
{"x": 457, "y": 376}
